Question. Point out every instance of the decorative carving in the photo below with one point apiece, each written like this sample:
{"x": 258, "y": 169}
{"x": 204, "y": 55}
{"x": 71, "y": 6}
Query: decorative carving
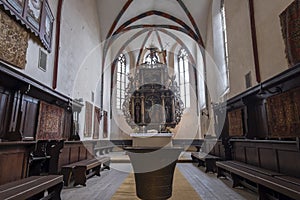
{"x": 152, "y": 99}
{"x": 50, "y": 123}
{"x": 283, "y": 114}
{"x": 13, "y": 40}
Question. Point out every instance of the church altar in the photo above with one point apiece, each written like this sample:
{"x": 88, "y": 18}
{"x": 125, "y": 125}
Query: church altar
{"x": 151, "y": 139}
{"x": 153, "y": 105}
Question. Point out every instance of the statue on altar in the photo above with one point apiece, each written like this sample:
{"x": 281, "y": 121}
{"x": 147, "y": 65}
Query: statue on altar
{"x": 152, "y": 99}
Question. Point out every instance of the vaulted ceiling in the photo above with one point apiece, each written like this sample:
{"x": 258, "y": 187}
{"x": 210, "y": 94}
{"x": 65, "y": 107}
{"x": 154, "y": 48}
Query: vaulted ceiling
{"x": 136, "y": 24}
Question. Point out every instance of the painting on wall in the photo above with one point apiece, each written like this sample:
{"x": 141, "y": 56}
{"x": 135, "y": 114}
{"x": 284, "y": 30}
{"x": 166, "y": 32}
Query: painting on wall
{"x": 33, "y": 15}
{"x": 235, "y": 120}
{"x": 47, "y": 26}
{"x": 97, "y": 118}
{"x": 283, "y": 114}
{"x": 13, "y": 40}
{"x": 50, "y": 122}
{"x": 88, "y": 119}
{"x": 290, "y": 19}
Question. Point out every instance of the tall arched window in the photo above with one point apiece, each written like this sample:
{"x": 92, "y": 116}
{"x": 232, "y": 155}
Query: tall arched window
{"x": 183, "y": 77}
{"x": 220, "y": 45}
{"x": 122, "y": 71}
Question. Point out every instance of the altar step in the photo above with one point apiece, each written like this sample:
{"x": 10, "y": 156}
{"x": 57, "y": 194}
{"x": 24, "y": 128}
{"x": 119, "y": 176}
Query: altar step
{"x": 121, "y": 157}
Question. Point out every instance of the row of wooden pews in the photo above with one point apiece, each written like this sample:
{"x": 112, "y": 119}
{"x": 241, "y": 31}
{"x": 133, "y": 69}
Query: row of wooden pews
{"x": 208, "y": 154}
{"x": 42, "y": 172}
{"x": 271, "y": 168}
{"x": 77, "y": 173}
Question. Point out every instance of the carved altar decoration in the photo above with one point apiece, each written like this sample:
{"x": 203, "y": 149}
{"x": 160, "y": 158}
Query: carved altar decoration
{"x": 152, "y": 100}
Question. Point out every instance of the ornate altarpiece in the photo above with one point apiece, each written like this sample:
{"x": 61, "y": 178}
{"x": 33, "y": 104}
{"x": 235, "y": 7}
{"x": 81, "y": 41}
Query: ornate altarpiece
{"x": 152, "y": 98}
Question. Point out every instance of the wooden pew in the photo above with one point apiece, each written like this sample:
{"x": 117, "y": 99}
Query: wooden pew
{"x": 78, "y": 171}
{"x": 267, "y": 167}
{"x": 264, "y": 179}
{"x": 35, "y": 187}
{"x": 206, "y": 160}
{"x": 210, "y": 151}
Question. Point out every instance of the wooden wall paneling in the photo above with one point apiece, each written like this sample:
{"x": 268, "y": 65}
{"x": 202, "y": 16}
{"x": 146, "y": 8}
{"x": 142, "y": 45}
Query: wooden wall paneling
{"x": 288, "y": 162}
{"x": 90, "y": 149}
{"x": 221, "y": 126}
{"x": 64, "y": 157}
{"x": 14, "y": 157}
{"x": 82, "y": 153}
{"x": 15, "y": 111}
{"x": 252, "y": 156}
{"x": 11, "y": 162}
{"x": 268, "y": 158}
{"x": 257, "y": 120}
{"x": 68, "y": 125}
{"x": 74, "y": 154}
{"x": 239, "y": 152}
{"x": 29, "y": 114}
{"x": 5, "y": 99}
{"x": 218, "y": 149}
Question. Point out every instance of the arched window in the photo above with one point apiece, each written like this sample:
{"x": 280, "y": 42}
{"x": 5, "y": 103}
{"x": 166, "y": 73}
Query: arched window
{"x": 183, "y": 77}
{"x": 122, "y": 71}
{"x": 220, "y": 45}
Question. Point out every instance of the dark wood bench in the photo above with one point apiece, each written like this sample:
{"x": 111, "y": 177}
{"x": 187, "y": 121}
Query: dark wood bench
{"x": 206, "y": 160}
{"x": 82, "y": 170}
{"x": 101, "y": 150}
{"x": 265, "y": 181}
{"x": 34, "y": 187}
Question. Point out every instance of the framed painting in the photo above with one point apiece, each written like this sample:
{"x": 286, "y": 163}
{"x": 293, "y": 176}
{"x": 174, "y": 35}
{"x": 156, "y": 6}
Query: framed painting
{"x": 88, "y": 119}
{"x": 50, "y": 122}
{"x": 33, "y": 10}
{"x": 46, "y": 29}
{"x": 97, "y": 118}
